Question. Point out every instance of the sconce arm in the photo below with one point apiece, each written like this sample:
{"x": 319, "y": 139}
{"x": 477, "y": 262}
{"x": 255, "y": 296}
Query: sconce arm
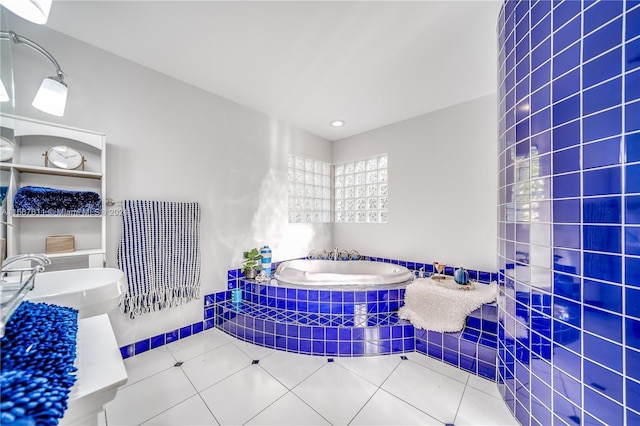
{"x": 18, "y": 39}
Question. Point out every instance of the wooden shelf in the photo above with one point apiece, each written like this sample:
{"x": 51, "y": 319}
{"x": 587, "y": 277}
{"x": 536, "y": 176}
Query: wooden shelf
{"x": 24, "y": 168}
{"x": 75, "y": 253}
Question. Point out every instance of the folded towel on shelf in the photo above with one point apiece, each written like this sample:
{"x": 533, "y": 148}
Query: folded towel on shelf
{"x": 159, "y": 253}
{"x": 431, "y": 305}
{"x": 41, "y": 200}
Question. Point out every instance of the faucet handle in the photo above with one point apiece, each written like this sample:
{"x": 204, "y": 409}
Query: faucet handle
{"x": 421, "y": 272}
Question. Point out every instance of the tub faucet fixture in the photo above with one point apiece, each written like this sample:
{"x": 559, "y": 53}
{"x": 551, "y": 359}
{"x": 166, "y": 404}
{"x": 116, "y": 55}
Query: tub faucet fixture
{"x": 40, "y": 259}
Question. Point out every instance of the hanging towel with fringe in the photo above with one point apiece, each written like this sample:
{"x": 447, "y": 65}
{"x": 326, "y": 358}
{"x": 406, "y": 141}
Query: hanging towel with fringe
{"x": 159, "y": 253}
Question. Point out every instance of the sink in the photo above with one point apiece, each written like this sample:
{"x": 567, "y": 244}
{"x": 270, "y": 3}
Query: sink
{"x": 92, "y": 291}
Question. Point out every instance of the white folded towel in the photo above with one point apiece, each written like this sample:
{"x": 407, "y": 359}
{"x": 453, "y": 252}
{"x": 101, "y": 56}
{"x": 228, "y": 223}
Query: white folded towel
{"x": 431, "y": 305}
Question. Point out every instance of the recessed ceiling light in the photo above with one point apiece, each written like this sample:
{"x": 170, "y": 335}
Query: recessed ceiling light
{"x": 337, "y": 123}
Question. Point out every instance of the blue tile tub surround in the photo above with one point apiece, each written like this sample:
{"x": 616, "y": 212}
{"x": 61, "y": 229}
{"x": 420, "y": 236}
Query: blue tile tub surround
{"x": 354, "y": 322}
{"x": 359, "y": 334}
{"x": 336, "y": 323}
{"x": 569, "y": 325}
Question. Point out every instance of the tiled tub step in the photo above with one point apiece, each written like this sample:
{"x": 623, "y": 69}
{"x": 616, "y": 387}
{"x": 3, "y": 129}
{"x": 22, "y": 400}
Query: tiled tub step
{"x": 472, "y": 349}
{"x": 348, "y": 323}
{"x": 316, "y": 334}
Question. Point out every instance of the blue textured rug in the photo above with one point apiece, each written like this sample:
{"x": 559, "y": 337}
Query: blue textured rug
{"x": 41, "y": 200}
{"x": 38, "y": 352}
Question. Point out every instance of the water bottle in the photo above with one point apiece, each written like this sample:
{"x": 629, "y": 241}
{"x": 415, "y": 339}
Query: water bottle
{"x": 266, "y": 260}
{"x": 236, "y": 295}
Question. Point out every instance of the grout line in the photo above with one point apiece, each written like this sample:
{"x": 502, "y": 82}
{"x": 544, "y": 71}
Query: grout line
{"x": 200, "y": 354}
{"x": 441, "y": 373}
{"x": 208, "y": 408}
{"x": 221, "y": 380}
{"x": 296, "y": 396}
{"x": 224, "y": 378}
{"x": 297, "y": 384}
{"x": 464, "y": 391}
{"x": 291, "y": 390}
{"x": 482, "y": 390}
{"x": 173, "y": 406}
{"x": 126, "y": 385}
{"x": 364, "y": 378}
{"x": 363, "y": 405}
{"x": 265, "y": 408}
{"x": 393, "y": 395}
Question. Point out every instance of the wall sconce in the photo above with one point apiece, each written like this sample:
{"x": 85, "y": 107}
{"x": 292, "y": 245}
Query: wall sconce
{"x": 36, "y": 11}
{"x": 52, "y": 95}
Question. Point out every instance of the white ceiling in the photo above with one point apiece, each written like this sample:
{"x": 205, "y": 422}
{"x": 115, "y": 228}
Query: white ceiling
{"x": 370, "y": 63}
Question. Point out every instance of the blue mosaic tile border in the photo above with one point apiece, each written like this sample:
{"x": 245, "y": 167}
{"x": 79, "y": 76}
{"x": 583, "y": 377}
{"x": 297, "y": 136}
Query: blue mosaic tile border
{"x": 144, "y": 345}
{"x": 475, "y": 275}
{"x": 234, "y": 275}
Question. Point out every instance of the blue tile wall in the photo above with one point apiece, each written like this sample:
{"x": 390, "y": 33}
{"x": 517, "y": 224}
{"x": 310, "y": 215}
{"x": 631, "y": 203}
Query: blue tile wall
{"x": 569, "y": 322}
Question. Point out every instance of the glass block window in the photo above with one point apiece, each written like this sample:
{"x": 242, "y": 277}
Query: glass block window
{"x": 361, "y": 191}
{"x": 309, "y": 190}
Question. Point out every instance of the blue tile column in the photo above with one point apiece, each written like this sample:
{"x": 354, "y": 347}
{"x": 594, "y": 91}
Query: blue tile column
{"x": 569, "y": 211}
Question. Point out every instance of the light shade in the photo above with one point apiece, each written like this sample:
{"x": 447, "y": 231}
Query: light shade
{"x": 36, "y": 11}
{"x": 4, "y": 96}
{"x": 337, "y": 123}
{"x": 52, "y": 97}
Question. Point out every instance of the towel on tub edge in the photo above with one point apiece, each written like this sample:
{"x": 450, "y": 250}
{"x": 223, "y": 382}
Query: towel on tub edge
{"x": 431, "y": 306}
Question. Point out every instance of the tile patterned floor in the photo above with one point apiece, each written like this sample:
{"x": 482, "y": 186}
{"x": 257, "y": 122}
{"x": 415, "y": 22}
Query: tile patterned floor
{"x": 218, "y": 383}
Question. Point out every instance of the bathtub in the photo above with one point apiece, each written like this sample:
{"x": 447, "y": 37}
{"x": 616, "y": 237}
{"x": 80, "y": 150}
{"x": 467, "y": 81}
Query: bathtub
{"x": 329, "y": 273}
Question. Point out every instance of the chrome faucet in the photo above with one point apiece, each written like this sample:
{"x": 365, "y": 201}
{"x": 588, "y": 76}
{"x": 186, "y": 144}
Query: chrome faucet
{"x": 40, "y": 259}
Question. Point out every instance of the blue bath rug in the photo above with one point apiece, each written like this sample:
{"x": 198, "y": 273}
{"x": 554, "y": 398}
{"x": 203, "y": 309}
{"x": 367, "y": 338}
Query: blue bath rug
{"x": 38, "y": 353}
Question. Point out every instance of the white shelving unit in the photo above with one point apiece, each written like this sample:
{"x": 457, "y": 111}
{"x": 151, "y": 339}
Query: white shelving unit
{"x": 27, "y": 233}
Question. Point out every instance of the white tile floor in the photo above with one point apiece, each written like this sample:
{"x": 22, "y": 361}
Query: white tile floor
{"x": 218, "y": 384}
